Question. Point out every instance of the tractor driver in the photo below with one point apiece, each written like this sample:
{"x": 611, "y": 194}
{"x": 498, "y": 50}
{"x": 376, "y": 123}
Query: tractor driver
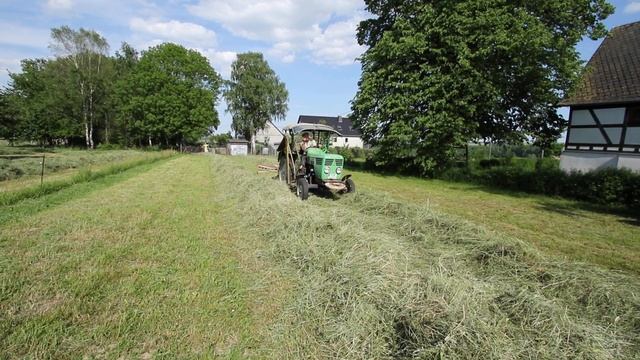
{"x": 307, "y": 142}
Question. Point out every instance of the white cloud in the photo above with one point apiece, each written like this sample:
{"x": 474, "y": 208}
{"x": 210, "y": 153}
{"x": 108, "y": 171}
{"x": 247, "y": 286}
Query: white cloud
{"x": 19, "y": 35}
{"x": 8, "y": 64}
{"x": 113, "y": 11}
{"x": 220, "y": 60}
{"x": 336, "y": 44}
{"x": 284, "y": 51}
{"x": 181, "y": 32}
{"x": 59, "y": 4}
{"x": 632, "y": 8}
{"x": 291, "y": 26}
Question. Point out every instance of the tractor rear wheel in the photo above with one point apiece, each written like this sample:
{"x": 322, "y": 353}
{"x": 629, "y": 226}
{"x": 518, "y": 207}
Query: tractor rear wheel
{"x": 351, "y": 186}
{"x": 302, "y": 188}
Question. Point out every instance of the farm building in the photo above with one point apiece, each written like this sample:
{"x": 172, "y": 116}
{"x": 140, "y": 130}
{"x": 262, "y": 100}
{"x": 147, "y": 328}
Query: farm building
{"x": 351, "y": 137}
{"x": 270, "y": 135}
{"x": 604, "y": 118}
{"x": 237, "y": 147}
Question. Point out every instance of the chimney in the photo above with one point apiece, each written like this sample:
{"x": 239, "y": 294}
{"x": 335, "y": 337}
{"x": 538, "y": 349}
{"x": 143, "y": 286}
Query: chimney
{"x": 339, "y": 119}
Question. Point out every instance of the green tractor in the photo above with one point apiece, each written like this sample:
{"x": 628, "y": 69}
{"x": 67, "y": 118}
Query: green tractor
{"x": 313, "y": 168}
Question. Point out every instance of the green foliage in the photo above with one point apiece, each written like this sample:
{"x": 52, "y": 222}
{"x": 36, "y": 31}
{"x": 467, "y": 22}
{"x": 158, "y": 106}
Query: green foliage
{"x": 489, "y": 163}
{"x": 254, "y": 95}
{"x": 439, "y": 74}
{"x": 9, "y": 120}
{"x": 350, "y": 155}
{"x": 83, "y": 97}
{"x": 42, "y": 100}
{"x": 171, "y": 96}
{"x": 220, "y": 139}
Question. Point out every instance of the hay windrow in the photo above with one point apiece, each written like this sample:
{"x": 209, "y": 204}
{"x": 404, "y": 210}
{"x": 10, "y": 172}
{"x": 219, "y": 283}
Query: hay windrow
{"x": 380, "y": 279}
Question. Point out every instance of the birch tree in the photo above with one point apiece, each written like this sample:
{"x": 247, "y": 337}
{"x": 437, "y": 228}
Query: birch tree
{"x": 254, "y": 95}
{"x": 85, "y": 50}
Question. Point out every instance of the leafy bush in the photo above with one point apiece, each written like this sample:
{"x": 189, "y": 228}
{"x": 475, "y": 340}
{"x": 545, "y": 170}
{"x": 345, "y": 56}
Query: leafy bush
{"x": 489, "y": 163}
{"x": 605, "y": 187}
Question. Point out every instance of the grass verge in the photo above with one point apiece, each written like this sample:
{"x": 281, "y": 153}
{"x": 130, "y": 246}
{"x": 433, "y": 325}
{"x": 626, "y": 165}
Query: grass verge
{"x": 85, "y": 175}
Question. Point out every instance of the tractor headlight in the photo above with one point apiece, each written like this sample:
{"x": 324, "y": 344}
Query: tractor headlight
{"x": 338, "y": 170}
{"x": 327, "y": 169}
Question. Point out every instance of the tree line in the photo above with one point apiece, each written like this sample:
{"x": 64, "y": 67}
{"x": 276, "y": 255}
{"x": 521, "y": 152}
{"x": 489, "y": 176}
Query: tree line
{"x": 165, "y": 96}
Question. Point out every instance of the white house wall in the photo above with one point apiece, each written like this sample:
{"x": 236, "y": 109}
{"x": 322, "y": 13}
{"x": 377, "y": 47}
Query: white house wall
{"x": 610, "y": 116}
{"x": 585, "y": 161}
{"x": 585, "y": 133}
{"x": 350, "y": 141}
{"x": 269, "y": 135}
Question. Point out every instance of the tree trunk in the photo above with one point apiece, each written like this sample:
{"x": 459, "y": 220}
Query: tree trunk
{"x": 86, "y": 134}
{"x": 150, "y": 143}
{"x": 253, "y": 144}
{"x": 106, "y": 128}
{"x": 91, "y": 117}
{"x": 85, "y": 120}
{"x": 91, "y": 134}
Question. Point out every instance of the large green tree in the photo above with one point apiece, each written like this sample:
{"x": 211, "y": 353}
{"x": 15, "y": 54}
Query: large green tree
{"x": 9, "y": 120}
{"x": 44, "y": 102}
{"x": 119, "y": 120}
{"x": 438, "y": 74}
{"x": 170, "y": 94}
{"x": 254, "y": 95}
{"x": 85, "y": 51}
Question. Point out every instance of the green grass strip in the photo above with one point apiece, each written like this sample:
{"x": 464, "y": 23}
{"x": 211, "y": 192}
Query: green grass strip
{"x": 85, "y": 175}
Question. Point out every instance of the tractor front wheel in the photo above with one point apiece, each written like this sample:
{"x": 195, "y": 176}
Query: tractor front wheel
{"x": 302, "y": 188}
{"x": 351, "y": 186}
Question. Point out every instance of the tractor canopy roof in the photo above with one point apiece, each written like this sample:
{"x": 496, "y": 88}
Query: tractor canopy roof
{"x": 300, "y": 128}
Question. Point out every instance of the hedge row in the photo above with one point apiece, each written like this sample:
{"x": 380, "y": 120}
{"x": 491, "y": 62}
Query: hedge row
{"x": 605, "y": 187}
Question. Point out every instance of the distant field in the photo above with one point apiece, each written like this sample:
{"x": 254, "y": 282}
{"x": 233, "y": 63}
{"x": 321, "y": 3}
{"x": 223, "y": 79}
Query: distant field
{"x": 59, "y": 163}
{"x": 202, "y": 257}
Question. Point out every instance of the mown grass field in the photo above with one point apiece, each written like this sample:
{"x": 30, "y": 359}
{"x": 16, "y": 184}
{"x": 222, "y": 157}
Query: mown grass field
{"x": 200, "y": 257}
{"x": 60, "y": 163}
{"x": 558, "y": 227}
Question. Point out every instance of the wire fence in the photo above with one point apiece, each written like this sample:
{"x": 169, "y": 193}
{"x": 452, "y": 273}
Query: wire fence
{"x": 22, "y": 156}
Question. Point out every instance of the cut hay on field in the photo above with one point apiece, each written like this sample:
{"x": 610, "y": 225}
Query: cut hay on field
{"x": 375, "y": 278}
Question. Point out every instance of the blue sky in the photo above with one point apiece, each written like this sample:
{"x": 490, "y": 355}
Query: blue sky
{"x": 309, "y": 43}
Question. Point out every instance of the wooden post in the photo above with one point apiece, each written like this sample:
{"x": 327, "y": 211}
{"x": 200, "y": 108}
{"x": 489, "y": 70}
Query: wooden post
{"x": 42, "y": 172}
{"x": 466, "y": 154}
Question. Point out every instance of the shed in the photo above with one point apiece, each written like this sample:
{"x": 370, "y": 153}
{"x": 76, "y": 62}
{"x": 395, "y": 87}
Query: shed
{"x": 604, "y": 117}
{"x": 237, "y": 147}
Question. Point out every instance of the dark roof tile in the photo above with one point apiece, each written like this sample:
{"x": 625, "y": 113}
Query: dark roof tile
{"x": 613, "y": 73}
{"x": 342, "y": 124}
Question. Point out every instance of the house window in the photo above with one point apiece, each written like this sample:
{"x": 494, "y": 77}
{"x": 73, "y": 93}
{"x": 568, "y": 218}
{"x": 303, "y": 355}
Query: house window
{"x": 335, "y": 139}
{"x": 633, "y": 116}
{"x": 346, "y": 140}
